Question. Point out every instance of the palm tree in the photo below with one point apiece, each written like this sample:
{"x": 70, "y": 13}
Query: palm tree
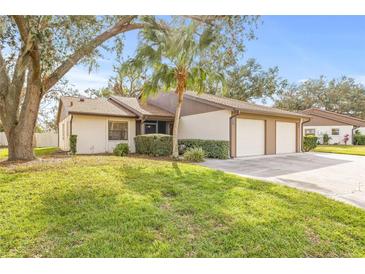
{"x": 173, "y": 56}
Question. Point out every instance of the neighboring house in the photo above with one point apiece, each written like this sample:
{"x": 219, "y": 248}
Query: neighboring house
{"x": 100, "y": 124}
{"x": 334, "y": 124}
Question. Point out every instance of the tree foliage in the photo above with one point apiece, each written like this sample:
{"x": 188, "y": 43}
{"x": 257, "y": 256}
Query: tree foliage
{"x": 35, "y": 53}
{"x": 249, "y": 81}
{"x": 343, "y": 95}
{"x": 173, "y": 54}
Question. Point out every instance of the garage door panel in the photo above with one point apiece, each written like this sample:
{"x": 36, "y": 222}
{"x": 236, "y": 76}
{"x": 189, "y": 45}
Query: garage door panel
{"x": 285, "y": 137}
{"x": 250, "y": 137}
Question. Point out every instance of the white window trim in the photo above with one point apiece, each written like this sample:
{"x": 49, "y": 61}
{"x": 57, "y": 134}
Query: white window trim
{"x": 117, "y": 121}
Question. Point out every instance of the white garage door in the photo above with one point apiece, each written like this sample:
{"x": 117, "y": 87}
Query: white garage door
{"x": 285, "y": 138}
{"x": 250, "y": 137}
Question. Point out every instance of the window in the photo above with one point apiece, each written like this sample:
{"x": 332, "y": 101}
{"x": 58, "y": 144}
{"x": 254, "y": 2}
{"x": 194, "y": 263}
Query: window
{"x": 118, "y": 130}
{"x": 150, "y": 127}
{"x": 335, "y": 131}
{"x": 310, "y": 131}
{"x": 63, "y": 131}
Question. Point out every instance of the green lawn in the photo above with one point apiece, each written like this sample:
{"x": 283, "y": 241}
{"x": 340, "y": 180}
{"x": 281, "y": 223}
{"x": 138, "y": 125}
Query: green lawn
{"x": 107, "y": 206}
{"x": 40, "y": 151}
{"x": 341, "y": 149}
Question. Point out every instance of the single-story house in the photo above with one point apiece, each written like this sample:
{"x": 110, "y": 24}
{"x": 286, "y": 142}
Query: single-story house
{"x": 251, "y": 129}
{"x": 334, "y": 124}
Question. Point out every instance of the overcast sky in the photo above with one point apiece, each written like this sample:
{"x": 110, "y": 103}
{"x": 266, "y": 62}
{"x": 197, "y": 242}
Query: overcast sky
{"x": 302, "y": 47}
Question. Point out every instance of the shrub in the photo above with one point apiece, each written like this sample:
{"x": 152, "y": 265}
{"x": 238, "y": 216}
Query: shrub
{"x": 326, "y": 139}
{"x": 73, "y": 144}
{"x": 346, "y": 138}
{"x": 194, "y": 154}
{"x": 309, "y": 143}
{"x": 154, "y": 144}
{"x": 359, "y": 139}
{"x": 212, "y": 148}
{"x": 121, "y": 150}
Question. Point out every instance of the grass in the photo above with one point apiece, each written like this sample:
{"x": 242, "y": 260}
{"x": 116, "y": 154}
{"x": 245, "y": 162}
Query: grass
{"x": 39, "y": 152}
{"x": 341, "y": 149}
{"x": 107, "y": 206}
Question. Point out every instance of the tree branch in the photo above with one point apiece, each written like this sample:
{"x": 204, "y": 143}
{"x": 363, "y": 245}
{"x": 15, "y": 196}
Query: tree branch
{"x": 22, "y": 27}
{"x": 123, "y": 25}
{"x": 4, "y": 77}
{"x": 206, "y": 19}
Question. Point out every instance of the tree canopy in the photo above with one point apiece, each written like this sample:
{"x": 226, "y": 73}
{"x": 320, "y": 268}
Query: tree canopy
{"x": 343, "y": 95}
{"x": 173, "y": 55}
{"x": 37, "y": 51}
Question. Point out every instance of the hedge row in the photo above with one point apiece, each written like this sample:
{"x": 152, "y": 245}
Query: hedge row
{"x": 212, "y": 148}
{"x": 161, "y": 145}
{"x": 154, "y": 144}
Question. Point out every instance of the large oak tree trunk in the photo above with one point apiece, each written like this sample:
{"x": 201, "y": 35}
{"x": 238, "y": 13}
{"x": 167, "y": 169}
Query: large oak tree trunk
{"x": 20, "y": 134}
{"x": 175, "y": 145}
{"x": 20, "y": 145}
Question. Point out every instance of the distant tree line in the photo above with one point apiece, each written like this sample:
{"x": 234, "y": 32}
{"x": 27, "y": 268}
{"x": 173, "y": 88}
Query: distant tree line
{"x": 343, "y": 95}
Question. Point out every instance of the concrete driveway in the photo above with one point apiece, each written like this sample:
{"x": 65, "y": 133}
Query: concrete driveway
{"x": 341, "y": 177}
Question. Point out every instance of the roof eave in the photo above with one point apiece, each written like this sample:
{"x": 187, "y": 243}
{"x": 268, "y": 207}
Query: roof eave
{"x": 101, "y": 114}
{"x": 116, "y": 101}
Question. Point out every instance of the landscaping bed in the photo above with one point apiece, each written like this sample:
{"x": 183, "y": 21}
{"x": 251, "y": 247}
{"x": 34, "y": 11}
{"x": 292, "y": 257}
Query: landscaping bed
{"x": 107, "y": 206}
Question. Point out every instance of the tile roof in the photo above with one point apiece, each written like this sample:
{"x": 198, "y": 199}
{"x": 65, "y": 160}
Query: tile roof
{"x": 99, "y": 106}
{"x": 141, "y": 109}
{"x": 242, "y": 106}
{"x": 335, "y": 116}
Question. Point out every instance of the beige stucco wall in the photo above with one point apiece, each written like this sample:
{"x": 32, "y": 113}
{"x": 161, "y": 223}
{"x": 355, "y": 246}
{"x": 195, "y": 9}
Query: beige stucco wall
{"x": 92, "y": 134}
{"x": 320, "y": 130}
{"x": 210, "y": 126}
{"x": 64, "y": 129}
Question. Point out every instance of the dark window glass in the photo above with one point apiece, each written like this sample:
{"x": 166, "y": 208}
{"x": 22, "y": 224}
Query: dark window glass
{"x": 118, "y": 130}
{"x": 162, "y": 127}
{"x": 310, "y": 131}
{"x": 150, "y": 128}
{"x": 335, "y": 131}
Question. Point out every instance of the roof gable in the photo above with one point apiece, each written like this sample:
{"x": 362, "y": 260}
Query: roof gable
{"x": 234, "y": 104}
{"x": 98, "y": 106}
{"x": 337, "y": 117}
{"x": 141, "y": 108}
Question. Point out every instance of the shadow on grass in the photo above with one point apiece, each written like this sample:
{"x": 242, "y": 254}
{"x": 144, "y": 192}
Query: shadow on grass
{"x": 188, "y": 211}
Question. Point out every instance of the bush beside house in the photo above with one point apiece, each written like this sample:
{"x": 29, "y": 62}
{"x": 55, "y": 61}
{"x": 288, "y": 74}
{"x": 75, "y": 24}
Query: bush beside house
{"x": 326, "y": 139}
{"x": 359, "y": 139}
{"x": 194, "y": 154}
{"x": 73, "y": 144}
{"x": 309, "y": 142}
{"x": 212, "y": 148}
{"x": 161, "y": 145}
{"x": 121, "y": 150}
{"x": 154, "y": 144}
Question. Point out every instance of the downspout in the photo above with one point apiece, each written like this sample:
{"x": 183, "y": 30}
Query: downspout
{"x": 302, "y": 135}
{"x": 235, "y": 113}
{"x": 70, "y": 129}
{"x": 353, "y": 134}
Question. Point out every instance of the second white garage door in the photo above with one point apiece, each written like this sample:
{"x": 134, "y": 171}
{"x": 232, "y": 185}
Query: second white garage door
{"x": 285, "y": 137}
{"x": 250, "y": 137}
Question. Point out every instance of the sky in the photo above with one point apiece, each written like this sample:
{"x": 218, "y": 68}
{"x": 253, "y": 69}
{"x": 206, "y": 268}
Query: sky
{"x": 302, "y": 47}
